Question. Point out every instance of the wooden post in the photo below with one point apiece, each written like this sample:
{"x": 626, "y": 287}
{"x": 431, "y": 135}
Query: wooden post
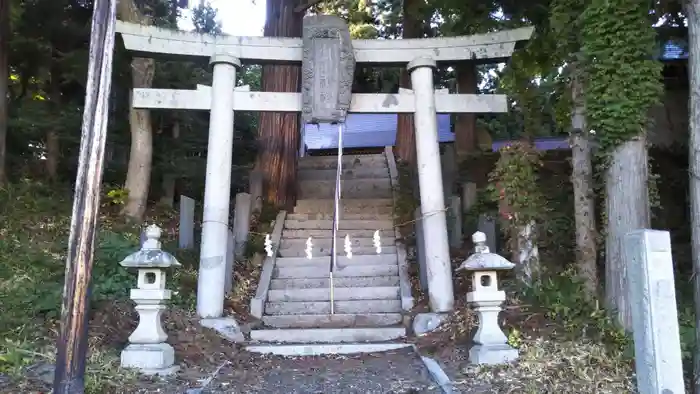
{"x": 72, "y": 342}
{"x": 692, "y": 10}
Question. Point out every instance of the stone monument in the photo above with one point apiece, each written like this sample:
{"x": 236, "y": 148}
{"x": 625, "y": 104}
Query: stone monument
{"x": 652, "y": 292}
{"x": 327, "y": 70}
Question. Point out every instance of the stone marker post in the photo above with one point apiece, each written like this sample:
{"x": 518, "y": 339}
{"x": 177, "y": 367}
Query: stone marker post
{"x": 241, "y": 222}
{"x": 456, "y": 221}
{"x": 230, "y": 260}
{"x": 186, "y": 230}
{"x": 469, "y": 196}
{"x": 491, "y": 345}
{"x": 256, "y": 190}
{"x": 487, "y": 225}
{"x": 650, "y": 284}
{"x": 147, "y": 350}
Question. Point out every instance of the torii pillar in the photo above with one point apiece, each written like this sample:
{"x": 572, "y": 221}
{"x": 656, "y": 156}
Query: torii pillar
{"x": 432, "y": 200}
{"x": 211, "y": 283}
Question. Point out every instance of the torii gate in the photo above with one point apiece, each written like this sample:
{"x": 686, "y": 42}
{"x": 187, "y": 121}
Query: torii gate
{"x": 222, "y": 99}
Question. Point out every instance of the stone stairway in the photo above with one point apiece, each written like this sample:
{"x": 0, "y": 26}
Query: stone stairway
{"x": 367, "y": 286}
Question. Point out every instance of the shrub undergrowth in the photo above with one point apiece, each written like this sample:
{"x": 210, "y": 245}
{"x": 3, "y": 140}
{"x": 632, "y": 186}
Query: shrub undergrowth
{"x": 34, "y": 232}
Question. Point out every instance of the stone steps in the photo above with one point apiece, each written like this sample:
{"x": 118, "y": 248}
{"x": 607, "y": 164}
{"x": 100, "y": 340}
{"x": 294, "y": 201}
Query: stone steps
{"x": 387, "y": 225}
{"x": 343, "y": 216}
{"x": 348, "y": 281}
{"x": 321, "y": 349}
{"x": 341, "y": 260}
{"x": 346, "y": 174}
{"x": 366, "y": 293}
{"x": 328, "y": 335}
{"x": 350, "y": 206}
{"x": 323, "y": 270}
{"x": 351, "y": 189}
{"x": 339, "y": 294}
{"x": 349, "y": 162}
{"x": 358, "y": 251}
{"x": 333, "y": 321}
{"x": 324, "y": 307}
{"x": 321, "y": 244}
{"x": 305, "y": 234}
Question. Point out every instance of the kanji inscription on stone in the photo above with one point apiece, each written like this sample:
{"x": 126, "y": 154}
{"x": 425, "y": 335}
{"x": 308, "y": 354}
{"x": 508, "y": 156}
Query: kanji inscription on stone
{"x": 328, "y": 66}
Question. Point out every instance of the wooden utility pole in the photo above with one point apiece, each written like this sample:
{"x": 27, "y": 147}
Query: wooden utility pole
{"x": 692, "y": 10}
{"x": 72, "y": 342}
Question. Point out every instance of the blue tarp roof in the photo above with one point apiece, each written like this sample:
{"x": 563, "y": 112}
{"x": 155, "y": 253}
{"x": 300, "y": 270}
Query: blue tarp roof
{"x": 366, "y": 131}
{"x": 379, "y": 130}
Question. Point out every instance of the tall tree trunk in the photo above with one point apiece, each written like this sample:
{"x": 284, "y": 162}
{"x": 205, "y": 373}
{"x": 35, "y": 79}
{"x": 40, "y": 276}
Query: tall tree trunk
{"x": 465, "y": 127}
{"x": 4, "y": 80}
{"x": 626, "y": 209}
{"x": 693, "y": 13}
{"x": 138, "y": 176}
{"x": 278, "y": 132}
{"x": 405, "y": 133}
{"x": 584, "y": 201}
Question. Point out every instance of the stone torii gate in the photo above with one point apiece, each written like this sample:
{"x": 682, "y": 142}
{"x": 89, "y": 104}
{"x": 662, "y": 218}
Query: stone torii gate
{"x": 223, "y": 98}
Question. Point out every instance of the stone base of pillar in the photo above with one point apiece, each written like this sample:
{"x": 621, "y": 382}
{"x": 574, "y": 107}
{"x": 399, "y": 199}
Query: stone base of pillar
{"x": 150, "y": 359}
{"x": 492, "y": 354}
{"x": 226, "y": 327}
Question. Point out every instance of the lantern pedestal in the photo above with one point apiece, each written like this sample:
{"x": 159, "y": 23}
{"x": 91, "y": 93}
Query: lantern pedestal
{"x": 491, "y": 345}
{"x": 150, "y": 358}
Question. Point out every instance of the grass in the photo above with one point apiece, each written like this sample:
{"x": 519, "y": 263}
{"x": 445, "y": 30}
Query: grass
{"x": 33, "y": 243}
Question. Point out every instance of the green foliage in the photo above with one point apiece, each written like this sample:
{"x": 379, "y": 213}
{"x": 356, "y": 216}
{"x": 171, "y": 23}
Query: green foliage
{"x": 515, "y": 183}
{"x": 622, "y": 76}
{"x": 562, "y": 297}
{"x": 261, "y": 225}
{"x": 117, "y": 196}
{"x": 33, "y": 247}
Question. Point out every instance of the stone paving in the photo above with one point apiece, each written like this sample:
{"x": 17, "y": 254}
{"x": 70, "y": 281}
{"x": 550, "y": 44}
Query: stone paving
{"x": 400, "y": 372}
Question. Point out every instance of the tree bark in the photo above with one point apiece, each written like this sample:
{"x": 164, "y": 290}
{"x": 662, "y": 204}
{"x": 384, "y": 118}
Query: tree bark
{"x": 278, "y": 132}
{"x": 693, "y": 14}
{"x": 4, "y": 80}
{"x": 405, "y": 133}
{"x": 465, "y": 127}
{"x": 584, "y": 201}
{"x": 138, "y": 176}
{"x": 626, "y": 209}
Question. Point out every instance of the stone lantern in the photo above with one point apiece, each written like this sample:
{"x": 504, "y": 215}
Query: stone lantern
{"x": 147, "y": 350}
{"x": 491, "y": 345}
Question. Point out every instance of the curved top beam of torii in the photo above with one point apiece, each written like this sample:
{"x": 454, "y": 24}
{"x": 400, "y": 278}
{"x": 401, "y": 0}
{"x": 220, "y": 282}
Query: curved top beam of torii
{"x": 482, "y": 48}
